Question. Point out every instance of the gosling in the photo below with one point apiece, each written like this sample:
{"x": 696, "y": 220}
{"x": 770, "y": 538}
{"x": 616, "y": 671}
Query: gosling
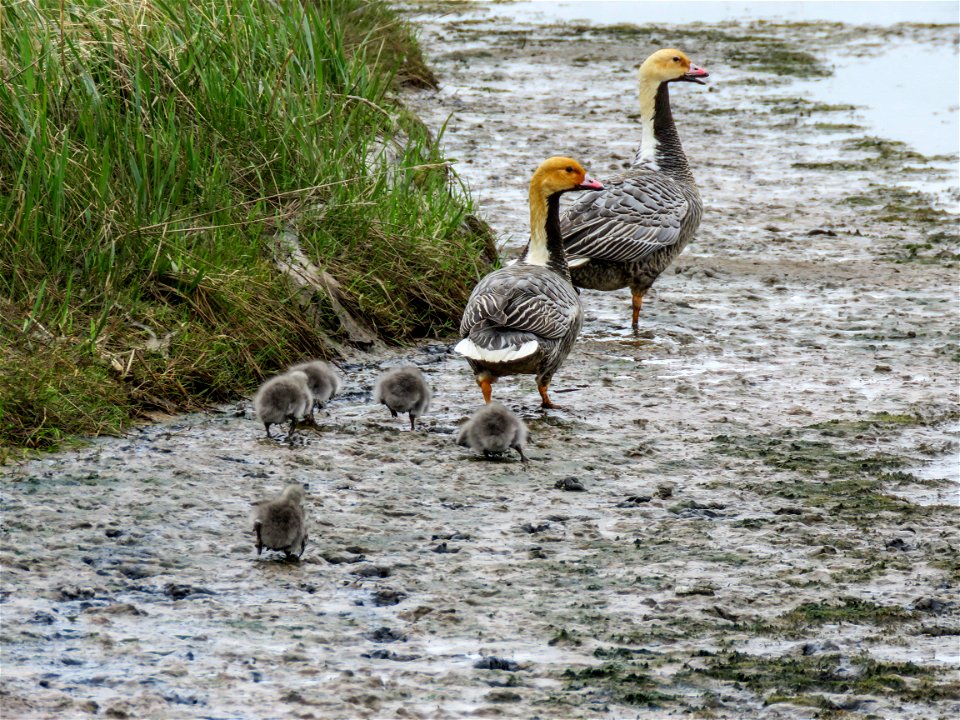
{"x": 493, "y": 430}
{"x": 280, "y": 523}
{"x": 323, "y": 382}
{"x": 403, "y": 390}
{"x": 285, "y": 397}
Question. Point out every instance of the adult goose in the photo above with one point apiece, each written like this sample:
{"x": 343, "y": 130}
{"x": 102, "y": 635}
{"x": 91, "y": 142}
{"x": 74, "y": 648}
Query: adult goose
{"x": 524, "y": 318}
{"x": 629, "y": 232}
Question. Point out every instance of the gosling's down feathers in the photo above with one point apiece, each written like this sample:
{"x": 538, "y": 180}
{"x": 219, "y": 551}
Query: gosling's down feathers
{"x": 628, "y": 233}
{"x": 323, "y": 382}
{"x": 283, "y": 398}
{"x": 493, "y": 430}
{"x": 280, "y": 523}
{"x": 524, "y": 318}
{"x": 403, "y": 390}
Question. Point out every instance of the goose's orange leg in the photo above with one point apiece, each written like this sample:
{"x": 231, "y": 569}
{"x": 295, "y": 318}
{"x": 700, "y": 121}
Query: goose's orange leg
{"x": 547, "y": 402}
{"x": 486, "y": 387}
{"x": 637, "y": 306}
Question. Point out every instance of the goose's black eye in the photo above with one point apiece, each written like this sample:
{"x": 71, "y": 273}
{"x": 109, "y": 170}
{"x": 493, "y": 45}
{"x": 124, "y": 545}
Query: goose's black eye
{"x": 569, "y": 169}
{"x": 676, "y": 59}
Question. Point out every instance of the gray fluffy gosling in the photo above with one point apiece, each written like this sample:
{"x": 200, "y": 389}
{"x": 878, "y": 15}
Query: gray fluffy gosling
{"x": 280, "y": 524}
{"x": 285, "y": 397}
{"x": 493, "y": 430}
{"x": 403, "y": 390}
{"x": 323, "y": 382}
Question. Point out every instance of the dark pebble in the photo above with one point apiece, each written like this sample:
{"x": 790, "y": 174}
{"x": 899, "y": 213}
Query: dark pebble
{"x": 788, "y": 511}
{"x": 113, "y": 533}
{"x": 390, "y": 655}
{"x": 179, "y": 592}
{"x": 450, "y": 536}
{"x": 494, "y": 663}
{"x": 42, "y": 618}
{"x": 897, "y": 544}
{"x": 570, "y": 484}
{"x": 444, "y": 549}
{"x": 634, "y": 501}
{"x": 372, "y": 571}
{"x": 386, "y": 635}
{"x": 384, "y": 597}
{"x": 338, "y": 559}
{"x": 533, "y": 529}
{"x": 76, "y": 593}
{"x": 931, "y": 605}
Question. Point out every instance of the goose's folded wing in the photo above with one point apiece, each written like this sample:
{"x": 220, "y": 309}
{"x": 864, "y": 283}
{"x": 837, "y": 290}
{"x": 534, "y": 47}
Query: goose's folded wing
{"x": 626, "y": 221}
{"x": 523, "y": 302}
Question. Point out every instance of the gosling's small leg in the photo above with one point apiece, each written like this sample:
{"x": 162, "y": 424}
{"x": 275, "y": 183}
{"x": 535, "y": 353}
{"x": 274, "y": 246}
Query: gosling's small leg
{"x": 523, "y": 458}
{"x": 256, "y": 527}
{"x": 637, "y": 306}
{"x": 267, "y": 426}
{"x": 293, "y": 426}
{"x": 413, "y": 422}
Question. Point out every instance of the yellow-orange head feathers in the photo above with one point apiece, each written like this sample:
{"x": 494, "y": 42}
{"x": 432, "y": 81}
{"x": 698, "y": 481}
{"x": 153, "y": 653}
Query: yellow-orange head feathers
{"x": 560, "y": 174}
{"x": 668, "y": 65}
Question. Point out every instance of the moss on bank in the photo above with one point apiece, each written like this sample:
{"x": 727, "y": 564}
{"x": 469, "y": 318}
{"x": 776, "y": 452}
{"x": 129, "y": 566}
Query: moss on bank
{"x": 150, "y": 153}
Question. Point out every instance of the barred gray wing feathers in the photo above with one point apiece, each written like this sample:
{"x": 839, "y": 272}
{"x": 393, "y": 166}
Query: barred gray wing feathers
{"x": 523, "y": 298}
{"x": 633, "y": 216}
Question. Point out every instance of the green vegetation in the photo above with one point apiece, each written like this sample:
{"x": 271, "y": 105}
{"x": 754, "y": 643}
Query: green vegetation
{"x": 848, "y": 610}
{"x": 941, "y": 242}
{"x": 802, "y": 106}
{"x": 785, "y": 676}
{"x": 150, "y": 153}
{"x": 621, "y": 682}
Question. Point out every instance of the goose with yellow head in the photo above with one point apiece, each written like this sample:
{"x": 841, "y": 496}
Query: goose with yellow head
{"x": 628, "y": 233}
{"x": 524, "y": 318}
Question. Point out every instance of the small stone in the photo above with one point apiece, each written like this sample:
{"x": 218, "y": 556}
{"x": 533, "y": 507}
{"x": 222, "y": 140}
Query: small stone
{"x": 931, "y": 605}
{"x": 570, "y": 484}
{"x": 181, "y": 592}
{"x": 685, "y": 590}
{"x": 372, "y": 571}
{"x": 386, "y": 635}
{"x": 383, "y": 597}
{"x": 533, "y": 529}
{"x": 491, "y": 662}
{"x": 665, "y": 490}
{"x": 634, "y": 501}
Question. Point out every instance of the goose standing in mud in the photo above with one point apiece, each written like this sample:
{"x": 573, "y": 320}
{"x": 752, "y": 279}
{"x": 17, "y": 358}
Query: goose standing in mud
{"x": 403, "y": 390}
{"x": 524, "y": 318}
{"x": 493, "y": 430}
{"x": 321, "y": 379}
{"x": 629, "y": 232}
{"x": 280, "y": 523}
{"x": 283, "y": 398}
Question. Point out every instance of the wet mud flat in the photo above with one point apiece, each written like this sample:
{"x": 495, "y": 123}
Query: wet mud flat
{"x": 768, "y": 520}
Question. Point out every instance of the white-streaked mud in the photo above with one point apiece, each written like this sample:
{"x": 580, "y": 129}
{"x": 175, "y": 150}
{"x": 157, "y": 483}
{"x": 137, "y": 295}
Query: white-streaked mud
{"x": 780, "y": 435}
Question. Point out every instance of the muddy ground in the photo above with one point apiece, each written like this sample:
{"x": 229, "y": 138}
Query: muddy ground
{"x": 769, "y": 522}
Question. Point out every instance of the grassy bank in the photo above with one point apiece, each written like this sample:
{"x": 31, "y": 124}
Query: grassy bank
{"x": 151, "y": 152}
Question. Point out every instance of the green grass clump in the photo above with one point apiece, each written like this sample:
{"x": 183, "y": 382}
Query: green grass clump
{"x": 149, "y": 155}
{"x": 619, "y": 682}
{"x": 847, "y": 610}
{"x": 826, "y": 673}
